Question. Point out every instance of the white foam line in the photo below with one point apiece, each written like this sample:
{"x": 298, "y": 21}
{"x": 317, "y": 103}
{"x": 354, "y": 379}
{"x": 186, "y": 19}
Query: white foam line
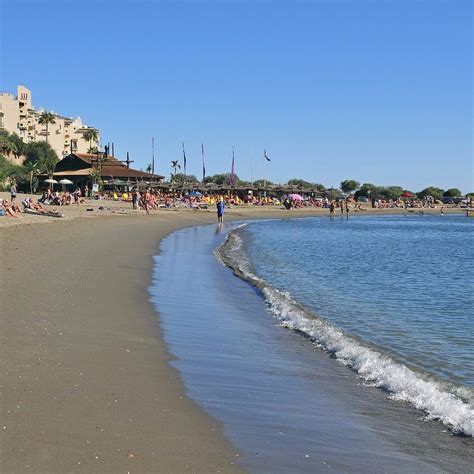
{"x": 372, "y": 365}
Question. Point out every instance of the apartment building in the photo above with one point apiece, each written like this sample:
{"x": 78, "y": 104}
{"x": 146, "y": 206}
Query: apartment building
{"x": 66, "y": 135}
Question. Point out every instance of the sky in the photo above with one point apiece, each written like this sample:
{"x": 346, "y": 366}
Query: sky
{"x": 379, "y": 91}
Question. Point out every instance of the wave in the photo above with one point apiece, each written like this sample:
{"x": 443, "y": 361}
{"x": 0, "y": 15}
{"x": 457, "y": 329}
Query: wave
{"x": 451, "y": 405}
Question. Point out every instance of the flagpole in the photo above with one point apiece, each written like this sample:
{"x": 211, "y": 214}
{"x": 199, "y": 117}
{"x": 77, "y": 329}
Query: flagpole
{"x": 264, "y": 172}
{"x": 203, "y": 165}
{"x": 232, "y": 168}
{"x": 251, "y": 167}
{"x": 184, "y": 159}
{"x": 153, "y": 155}
{"x": 184, "y": 166}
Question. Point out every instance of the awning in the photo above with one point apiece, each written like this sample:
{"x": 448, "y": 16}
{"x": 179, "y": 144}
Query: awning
{"x": 82, "y": 172}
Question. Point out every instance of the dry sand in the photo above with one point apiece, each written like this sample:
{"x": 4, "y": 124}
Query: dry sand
{"x": 86, "y": 384}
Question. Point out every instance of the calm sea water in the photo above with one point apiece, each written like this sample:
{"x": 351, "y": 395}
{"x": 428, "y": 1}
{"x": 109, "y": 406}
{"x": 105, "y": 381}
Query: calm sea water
{"x": 306, "y": 399}
{"x": 392, "y": 297}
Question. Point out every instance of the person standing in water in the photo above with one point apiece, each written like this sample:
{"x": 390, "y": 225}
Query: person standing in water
{"x": 220, "y": 211}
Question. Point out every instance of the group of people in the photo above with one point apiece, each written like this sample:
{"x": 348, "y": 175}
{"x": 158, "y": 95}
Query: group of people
{"x": 12, "y": 209}
{"x": 66, "y": 198}
{"x": 344, "y": 206}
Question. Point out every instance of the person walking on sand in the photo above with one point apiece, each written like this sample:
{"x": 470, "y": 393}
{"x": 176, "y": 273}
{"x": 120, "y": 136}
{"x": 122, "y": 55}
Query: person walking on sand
{"x": 148, "y": 202}
{"x": 13, "y": 191}
{"x": 220, "y": 211}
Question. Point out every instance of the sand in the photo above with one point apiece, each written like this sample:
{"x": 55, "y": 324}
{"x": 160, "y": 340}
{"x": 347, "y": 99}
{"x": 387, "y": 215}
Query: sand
{"x": 86, "y": 384}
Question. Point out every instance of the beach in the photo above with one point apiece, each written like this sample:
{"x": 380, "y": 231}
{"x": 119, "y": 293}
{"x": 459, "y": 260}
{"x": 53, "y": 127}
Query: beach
{"x": 86, "y": 383}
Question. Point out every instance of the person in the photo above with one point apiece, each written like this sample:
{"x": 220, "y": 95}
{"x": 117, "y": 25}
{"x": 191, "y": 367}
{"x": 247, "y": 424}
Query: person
{"x": 331, "y": 209}
{"x": 13, "y": 191}
{"x": 135, "y": 198}
{"x": 77, "y": 195}
{"x": 347, "y": 208}
{"x": 148, "y": 201}
{"x": 220, "y": 210}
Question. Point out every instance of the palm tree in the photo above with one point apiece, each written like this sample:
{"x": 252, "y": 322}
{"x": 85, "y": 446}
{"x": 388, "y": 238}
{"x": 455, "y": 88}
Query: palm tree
{"x": 90, "y": 135}
{"x": 176, "y": 166}
{"x": 31, "y": 169}
{"x": 45, "y": 119}
{"x": 6, "y": 145}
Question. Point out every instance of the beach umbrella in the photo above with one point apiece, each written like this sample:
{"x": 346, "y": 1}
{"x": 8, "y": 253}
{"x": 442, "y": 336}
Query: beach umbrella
{"x": 407, "y": 195}
{"x": 65, "y": 181}
{"x": 194, "y": 193}
{"x": 296, "y": 197}
{"x": 50, "y": 181}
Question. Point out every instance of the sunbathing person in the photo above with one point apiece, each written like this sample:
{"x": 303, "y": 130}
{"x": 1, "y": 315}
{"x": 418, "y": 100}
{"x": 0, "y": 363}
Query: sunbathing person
{"x": 34, "y": 206}
{"x": 8, "y": 209}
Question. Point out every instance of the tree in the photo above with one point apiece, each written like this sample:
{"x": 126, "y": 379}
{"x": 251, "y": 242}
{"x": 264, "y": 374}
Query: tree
{"x": 43, "y": 155}
{"x": 349, "y": 185}
{"x": 91, "y": 134}
{"x": 391, "y": 192}
{"x": 9, "y": 171}
{"x": 300, "y": 183}
{"x": 181, "y": 178}
{"x": 260, "y": 183}
{"x": 436, "y": 193}
{"x": 93, "y": 150}
{"x": 452, "y": 192}
{"x": 331, "y": 193}
{"x": 19, "y": 147}
{"x": 7, "y": 146}
{"x": 320, "y": 187}
{"x": 176, "y": 166}
{"x": 31, "y": 169}
{"x": 369, "y": 190}
{"x": 96, "y": 177}
{"x": 45, "y": 119}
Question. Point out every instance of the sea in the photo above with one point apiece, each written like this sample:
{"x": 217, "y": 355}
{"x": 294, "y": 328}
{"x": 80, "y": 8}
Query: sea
{"x": 328, "y": 344}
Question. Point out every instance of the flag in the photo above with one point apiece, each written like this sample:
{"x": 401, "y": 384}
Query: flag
{"x": 184, "y": 159}
{"x": 203, "y": 165}
{"x": 232, "y": 169}
{"x": 265, "y": 155}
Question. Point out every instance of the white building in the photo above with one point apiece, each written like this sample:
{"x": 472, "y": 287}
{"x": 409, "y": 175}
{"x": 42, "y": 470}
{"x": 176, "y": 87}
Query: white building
{"x": 66, "y": 135}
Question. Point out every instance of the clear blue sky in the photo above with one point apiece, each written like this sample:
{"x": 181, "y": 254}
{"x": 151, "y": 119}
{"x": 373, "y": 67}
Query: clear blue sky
{"x": 377, "y": 91}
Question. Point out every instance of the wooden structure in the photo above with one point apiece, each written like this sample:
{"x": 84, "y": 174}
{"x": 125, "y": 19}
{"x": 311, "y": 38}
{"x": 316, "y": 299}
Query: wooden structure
{"x": 78, "y": 167}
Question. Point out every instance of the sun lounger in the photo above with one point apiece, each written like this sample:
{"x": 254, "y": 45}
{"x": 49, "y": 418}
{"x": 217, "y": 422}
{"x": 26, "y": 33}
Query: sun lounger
{"x": 47, "y": 213}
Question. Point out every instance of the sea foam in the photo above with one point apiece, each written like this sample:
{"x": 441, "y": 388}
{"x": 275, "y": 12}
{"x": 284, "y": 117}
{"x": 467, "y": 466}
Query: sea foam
{"x": 422, "y": 391}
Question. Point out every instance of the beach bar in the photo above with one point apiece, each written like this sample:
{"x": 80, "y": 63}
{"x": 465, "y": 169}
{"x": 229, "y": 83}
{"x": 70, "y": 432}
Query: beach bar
{"x": 114, "y": 173}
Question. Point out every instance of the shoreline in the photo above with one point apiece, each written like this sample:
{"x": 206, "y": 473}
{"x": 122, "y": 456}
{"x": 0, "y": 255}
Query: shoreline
{"x": 123, "y": 209}
{"x": 229, "y": 336}
{"x": 82, "y": 347}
